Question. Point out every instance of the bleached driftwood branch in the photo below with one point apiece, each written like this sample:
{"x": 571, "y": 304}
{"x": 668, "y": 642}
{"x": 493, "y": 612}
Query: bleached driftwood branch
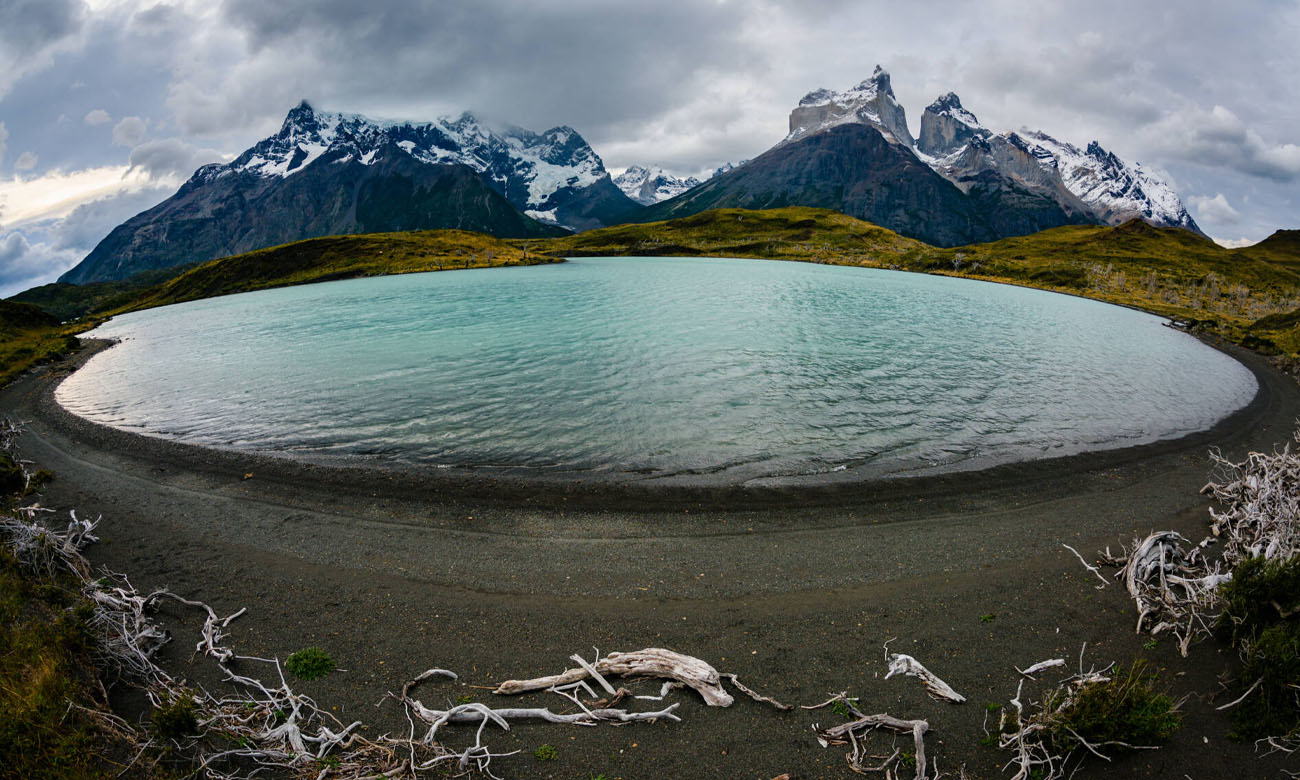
{"x": 652, "y": 662}
{"x": 938, "y": 689}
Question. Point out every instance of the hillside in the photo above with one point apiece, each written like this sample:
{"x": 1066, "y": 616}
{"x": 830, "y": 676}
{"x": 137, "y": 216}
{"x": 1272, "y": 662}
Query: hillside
{"x": 339, "y": 257}
{"x": 29, "y": 335}
{"x": 1169, "y": 271}
{"x": 794, "y": 233}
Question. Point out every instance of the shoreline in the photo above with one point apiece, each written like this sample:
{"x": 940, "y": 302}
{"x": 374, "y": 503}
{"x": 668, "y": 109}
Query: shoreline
{"x": 505, "y": 486}
{"x": 793, "y": 590}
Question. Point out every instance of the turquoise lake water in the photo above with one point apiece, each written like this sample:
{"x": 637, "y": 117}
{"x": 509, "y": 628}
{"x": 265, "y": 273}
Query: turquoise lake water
{"x": 658, "y": 367}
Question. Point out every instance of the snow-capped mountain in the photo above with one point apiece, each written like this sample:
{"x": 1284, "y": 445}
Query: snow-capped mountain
{"x": 1007, "y": 184}
{"x": 653, "y": 184}
{"x": 1115, "y": 190}
{"x": 541, "y": 174}
{"x": 328, "y": 173}
{"x": 870, "y": 103}
{"x": 955, "y": 144}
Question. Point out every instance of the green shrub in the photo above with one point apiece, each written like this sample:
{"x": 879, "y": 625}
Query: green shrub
{"x": 546, "y": 753}
{"x": 1127, "y": 708}
{"x": 1248, "y": 598}
{"x": 309, "y": 663}
{"x": 176, "y": 720}
{"x": 1254, "y": 604}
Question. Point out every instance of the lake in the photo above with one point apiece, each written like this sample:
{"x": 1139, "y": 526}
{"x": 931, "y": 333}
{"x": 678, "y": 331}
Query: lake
{"x": 658, "y": 368}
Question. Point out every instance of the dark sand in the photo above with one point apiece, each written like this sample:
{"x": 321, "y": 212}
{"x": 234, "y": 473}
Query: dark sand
{"x": 795, "y": 590}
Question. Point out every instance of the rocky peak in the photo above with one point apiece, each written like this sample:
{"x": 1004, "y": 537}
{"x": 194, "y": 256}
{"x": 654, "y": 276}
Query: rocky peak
{"x": 871, "y": 103}
{"x": 946, "y": 127}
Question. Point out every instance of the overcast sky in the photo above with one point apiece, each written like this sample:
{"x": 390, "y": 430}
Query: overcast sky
{"x": 106, "y": 106}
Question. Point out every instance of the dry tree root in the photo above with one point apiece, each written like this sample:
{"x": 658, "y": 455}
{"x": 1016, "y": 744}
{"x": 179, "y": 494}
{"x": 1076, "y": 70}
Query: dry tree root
{"x": 938, "y": 689}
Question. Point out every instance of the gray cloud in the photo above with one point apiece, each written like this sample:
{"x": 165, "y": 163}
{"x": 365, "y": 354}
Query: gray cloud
{"x": 97, "y": 117}
{"x": 130, "y": 132}
{"x": 24, "y": 264}
{"x": 4, "y": 136}
{"x": 29, "y": 31}
{"x": 1219, "y": 138}
{"x": 170, "y": 157}
{"x": 25, "y": 162}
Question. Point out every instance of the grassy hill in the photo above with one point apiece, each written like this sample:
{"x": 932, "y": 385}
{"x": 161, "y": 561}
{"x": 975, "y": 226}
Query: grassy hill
{"x": 796, "y": 233}
{"x": 29, "y": 335}
{"x": 338, "y": 257}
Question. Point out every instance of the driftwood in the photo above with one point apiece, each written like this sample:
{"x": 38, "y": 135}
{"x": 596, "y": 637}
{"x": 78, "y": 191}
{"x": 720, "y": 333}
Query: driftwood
{"x": 938, "y": 689}
{"x": 852, "y": 732}
{"x": 652, "y": 662}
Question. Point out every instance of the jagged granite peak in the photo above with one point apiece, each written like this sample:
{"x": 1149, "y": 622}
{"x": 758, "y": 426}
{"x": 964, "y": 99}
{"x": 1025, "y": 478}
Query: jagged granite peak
{"x": 870, "y": 103}
{"x": 946, "y": 127}
{"x": 1117, "y": 191}
{"x": 653, "y": 184}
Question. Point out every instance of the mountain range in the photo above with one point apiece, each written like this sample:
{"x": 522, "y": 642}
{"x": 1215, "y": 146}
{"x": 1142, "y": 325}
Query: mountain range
{"x": 959, "y": 183}
{"x": 331, "y": 174}
{"x": 852, "y": 151}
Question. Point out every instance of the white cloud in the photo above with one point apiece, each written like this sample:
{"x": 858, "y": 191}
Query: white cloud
{"x": 25, "y": 162}
{"x": 1215, "y": 210}
{"x": 4, "y": 136}
{"x": 55, "y": 194}
{"x": 130, "y": 132}
{"x": 98, "y": 117}
{"x": 171, "y": 157}
{"x": 1235, "y": 243}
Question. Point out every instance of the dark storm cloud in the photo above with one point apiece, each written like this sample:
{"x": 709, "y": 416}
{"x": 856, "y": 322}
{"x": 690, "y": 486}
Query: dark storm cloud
{"x": 585, "y": 64}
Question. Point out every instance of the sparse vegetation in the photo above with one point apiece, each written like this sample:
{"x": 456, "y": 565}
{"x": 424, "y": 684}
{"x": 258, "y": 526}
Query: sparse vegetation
{"x": 1121, "y": 713}
{"x": 546, "y": 753}
{"x": 1261, "y": 618}
{"x": 309, "y": 663}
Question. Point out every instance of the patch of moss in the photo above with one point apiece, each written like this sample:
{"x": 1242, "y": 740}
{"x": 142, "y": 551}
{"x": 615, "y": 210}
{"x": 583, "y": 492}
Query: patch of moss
{"x": 309, "y": 663}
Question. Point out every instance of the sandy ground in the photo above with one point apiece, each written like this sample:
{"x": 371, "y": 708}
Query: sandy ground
{"x": 796, "y": 589}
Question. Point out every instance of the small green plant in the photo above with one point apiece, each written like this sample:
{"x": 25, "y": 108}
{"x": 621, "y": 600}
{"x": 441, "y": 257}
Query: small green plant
{"x": 466, "y": 699}
{"x": 546, "y": 753}
{"x": 992, "y": 707}
{"x": 987, "y": 617}
{"x": 1126, "y": 708}
{"x": 329, "y": 762}
{"x": 309, "y": 663}
{"x": 1150, "y": 644}
{"x": 176, "y": 720}
{"x": 908, "y": 759}
{"x": 842, "y": 708}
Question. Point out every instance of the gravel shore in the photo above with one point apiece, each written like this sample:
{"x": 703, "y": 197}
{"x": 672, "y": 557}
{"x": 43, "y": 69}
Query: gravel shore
{"x": 794, "y": 589}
